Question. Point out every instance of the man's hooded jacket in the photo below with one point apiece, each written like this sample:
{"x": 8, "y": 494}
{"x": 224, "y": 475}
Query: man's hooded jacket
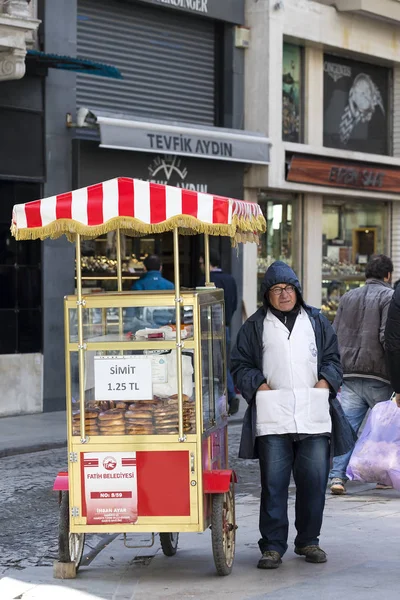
{"x": 247, "y": 363}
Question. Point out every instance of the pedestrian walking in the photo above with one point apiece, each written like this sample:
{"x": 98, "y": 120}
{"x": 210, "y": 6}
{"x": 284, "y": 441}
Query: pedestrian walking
{"x": 360, "y": 326}
{"x": 286, "y": 364}
{"x": 226, "y": 282}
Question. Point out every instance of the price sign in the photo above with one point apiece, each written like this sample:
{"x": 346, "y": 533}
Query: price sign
{"x": 123, "y": 378}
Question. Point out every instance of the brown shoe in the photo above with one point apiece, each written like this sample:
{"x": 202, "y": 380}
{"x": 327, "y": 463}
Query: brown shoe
{"x": 383, "y": 486}
{"x": 313, "y": 554}
{"x": 337, "y": 486}
{"x": 269, "y": 560}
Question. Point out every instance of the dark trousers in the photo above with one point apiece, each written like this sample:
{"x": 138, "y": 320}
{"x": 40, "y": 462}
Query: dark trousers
{"x": 308, "y": 458}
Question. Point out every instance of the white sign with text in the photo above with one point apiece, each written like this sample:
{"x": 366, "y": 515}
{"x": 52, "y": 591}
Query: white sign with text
{"x": 123, "y": 378}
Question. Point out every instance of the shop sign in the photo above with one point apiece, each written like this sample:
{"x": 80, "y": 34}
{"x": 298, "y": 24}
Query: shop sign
{"x": 110, "y": 487}
{"x": 310, "y": 170}
{"x": 123, "y": 378}
{"x": 231, "y": 11}
{"x": 356, "y": 106}
{"x": 199, "y": 142}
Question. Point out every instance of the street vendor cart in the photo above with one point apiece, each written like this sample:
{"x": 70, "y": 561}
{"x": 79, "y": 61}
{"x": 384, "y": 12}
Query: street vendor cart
{"x": 146, "y": 393}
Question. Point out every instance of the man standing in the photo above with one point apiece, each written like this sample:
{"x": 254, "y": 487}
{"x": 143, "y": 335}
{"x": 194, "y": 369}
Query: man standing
{"x": 226, "y": 282}
{"x": 360, "y": 327}
{"x": 392, "y": 342}
{"x": 286, "y": 364}
{"x": 152, "y": 278}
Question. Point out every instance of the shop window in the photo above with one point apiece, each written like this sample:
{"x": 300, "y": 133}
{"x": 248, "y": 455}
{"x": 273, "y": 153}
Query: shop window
{"x": 99, "y": 260}
{"x": 277, "y": 242}
{"x": 351, "y": 234}
{"x": 20, "y": 277}
{"x": 292, "y": 94}
{"x": 356, "y": 106}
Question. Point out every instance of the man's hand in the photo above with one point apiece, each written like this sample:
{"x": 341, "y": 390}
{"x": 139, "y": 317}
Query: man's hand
{"x": 322, "y": 384}
{"x": 398, "y": 400}
{"x": 264, "y": 388}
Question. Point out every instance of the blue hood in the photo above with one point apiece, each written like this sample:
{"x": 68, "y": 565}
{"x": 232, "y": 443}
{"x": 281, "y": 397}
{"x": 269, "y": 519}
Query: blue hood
{"x": 280, "y": 272}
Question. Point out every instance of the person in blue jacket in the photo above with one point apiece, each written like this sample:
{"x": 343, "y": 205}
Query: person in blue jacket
{"x": 152, "y": 278}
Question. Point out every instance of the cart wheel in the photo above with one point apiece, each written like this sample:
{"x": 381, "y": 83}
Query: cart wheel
{"x": 223, "y": 530}
{"x": 169, "y": 543}
{"x": 70, "y": 545}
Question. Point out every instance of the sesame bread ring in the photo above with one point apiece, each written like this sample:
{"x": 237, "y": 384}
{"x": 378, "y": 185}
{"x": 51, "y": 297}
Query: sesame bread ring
{"x": 116, "y": 423}
{"x": 175, "y": 397}
{"x": 112, "y": 414}
{"x": 143, "y": 413}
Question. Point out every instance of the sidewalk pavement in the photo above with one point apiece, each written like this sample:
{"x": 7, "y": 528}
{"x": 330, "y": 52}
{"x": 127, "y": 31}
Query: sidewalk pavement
{"x": 32, "y": 433}
{"x": 360, "y": 535}
{"x": 45, "y": 431}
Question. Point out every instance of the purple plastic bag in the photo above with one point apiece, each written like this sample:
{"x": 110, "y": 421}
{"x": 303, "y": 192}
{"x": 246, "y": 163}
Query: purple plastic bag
{"x": 376, "y": 456}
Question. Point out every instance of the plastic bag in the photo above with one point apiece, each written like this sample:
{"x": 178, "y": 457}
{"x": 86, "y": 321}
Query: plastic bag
{"x": 376, "y": 456}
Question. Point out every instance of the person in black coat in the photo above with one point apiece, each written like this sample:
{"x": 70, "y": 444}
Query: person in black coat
{"x": 306, "y": 453}
{"x": 226, "y": 282}
{"x": 392, "y": 342}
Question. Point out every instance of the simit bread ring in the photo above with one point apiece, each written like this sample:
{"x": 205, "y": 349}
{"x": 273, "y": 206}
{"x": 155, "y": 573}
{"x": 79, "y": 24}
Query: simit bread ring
{"x": 109, "y": 415}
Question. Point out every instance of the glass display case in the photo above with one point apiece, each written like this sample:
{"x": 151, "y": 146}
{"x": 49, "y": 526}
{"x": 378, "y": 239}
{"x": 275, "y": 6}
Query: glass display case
{"x": 131, "y": 382}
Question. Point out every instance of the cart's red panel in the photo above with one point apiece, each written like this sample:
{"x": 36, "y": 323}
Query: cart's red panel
{"x": 163, "y": 483}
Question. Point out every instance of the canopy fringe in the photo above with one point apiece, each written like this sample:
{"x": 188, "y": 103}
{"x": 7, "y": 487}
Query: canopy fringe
{"x": 241, "y": 230}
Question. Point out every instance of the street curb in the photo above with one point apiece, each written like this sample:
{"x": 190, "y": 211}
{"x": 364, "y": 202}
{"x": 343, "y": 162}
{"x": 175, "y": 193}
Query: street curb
{"x": 33, "y": 448}
{"x": 233, "y": 421}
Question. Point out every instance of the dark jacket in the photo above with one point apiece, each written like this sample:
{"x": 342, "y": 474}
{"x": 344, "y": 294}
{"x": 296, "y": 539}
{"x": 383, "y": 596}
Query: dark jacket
{"x": 152, "y": 280}
{"x": 226, "y": 282}
{"x": 392, "y": 340}
{"x": 360, "y": 326}
{"x": 247, "y": 364}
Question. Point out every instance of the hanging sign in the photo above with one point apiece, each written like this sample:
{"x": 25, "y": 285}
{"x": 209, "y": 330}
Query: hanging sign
{"x": 123, "y": 378}
{"x": 110, "y": 487}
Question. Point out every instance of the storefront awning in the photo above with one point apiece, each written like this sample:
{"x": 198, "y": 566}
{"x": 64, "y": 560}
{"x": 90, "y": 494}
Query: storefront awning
{"x": 122, "y": 132}
{"x": 72, "y": 63}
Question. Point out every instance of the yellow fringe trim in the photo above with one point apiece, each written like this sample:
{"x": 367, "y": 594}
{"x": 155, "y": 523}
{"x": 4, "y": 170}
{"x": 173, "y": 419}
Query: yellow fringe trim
{"x": 241, "y": 230}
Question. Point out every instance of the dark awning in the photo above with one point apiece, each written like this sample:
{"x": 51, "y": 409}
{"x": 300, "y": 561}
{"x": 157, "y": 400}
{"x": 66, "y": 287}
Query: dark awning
{"x": 71, "y": 63}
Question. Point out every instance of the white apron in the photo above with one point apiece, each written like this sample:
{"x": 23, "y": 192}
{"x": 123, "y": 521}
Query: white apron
{"x": 290, "y": 367}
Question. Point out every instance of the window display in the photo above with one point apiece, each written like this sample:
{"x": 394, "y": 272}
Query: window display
{"x": 356, "y": 106}
{"x": 292, "y": 94}
{"x": 277, "y": 242}
{"x": 351, "y": 233}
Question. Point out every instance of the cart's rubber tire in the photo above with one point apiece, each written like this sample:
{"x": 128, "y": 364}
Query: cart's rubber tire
{"x": 70, "y": 545}
{"x": 223, "y": 530}
{"x": 169, "y": 543}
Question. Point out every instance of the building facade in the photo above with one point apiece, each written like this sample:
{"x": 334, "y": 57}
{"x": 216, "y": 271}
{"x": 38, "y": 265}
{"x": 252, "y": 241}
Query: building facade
{"x": 168, "y": 107}
{"x": 322, "y": 81}
{"x": 22, "y": 174}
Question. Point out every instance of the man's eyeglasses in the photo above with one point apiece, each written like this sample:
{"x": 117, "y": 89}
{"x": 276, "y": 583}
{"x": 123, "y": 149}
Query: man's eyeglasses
{"x": 277, "y": 291}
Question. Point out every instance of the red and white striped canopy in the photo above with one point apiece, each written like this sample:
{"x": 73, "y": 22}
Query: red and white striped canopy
{"x": 136, "y": 208}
